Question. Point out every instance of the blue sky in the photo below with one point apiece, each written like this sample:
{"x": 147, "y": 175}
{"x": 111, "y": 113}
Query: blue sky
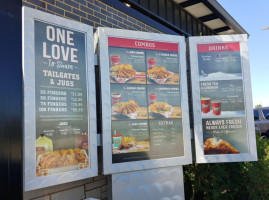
{"x": 253, "y": 15}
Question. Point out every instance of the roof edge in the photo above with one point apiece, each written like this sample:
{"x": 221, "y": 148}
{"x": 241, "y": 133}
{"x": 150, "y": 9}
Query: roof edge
{"x": 232, "y": 22}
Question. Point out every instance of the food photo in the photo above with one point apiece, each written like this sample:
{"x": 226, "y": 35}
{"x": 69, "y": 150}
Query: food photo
{"x": 130, "y": 136}
{"x": 127, "y": 66}
{"x": 163, "y": 102}
{"x": 127, "y": 109}
{"x": 54, "y": 156}
{"x": 128, "y": 102}
{"x": 159, "y": 74}
{"x": 129, "y": 145}
{"x": 122, "y": 73}
{"x": 218, "y": 146}
{"x": 162, "y": 68}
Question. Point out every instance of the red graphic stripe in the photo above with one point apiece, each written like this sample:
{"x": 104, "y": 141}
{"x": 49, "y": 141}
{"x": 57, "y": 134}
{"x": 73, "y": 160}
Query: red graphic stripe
{"x": 218, "y": 47}
{"x": 142, "y": 44}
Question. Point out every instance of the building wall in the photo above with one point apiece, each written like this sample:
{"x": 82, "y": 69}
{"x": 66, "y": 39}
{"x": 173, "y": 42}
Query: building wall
{"x": 91, "y": 12}
{"x": 96, "y": 14}
{"x": 96, "y": 187}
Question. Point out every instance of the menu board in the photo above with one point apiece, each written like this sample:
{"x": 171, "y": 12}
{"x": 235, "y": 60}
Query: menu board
{"x": 220, "y": 107}
{"x": 145, "y": 99}
{"x": 56, "y": 80}
{"x": 61, "y": 100}
{"x": 143, "y": 103}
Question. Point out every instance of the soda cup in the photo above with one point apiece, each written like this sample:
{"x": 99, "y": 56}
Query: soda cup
{"x": 152, "y": 98}
{"x": 115, "y": 60}
{"x": 116, "y": 140}
{"x": 216, "y": 107}
{"x": 205, "y": 104}
{"x": 151, "y": 63}
{"x": 116, "y": 97}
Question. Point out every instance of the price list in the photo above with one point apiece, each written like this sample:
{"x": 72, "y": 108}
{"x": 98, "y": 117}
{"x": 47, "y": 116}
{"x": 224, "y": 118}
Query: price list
{"x": 61, "y": 85}
{"x": 61, "y": 101}
{"x": 164, "y": 137}
{"x": 159, "y": 136}
{"x": 76, "y": 102}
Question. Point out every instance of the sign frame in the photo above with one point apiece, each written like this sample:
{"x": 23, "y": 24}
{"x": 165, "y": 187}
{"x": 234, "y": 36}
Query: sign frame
{"x": 127, "y": 185}
{"x": 31, "y": 182}
{"x": 247, "y": 94}
{"x": 108, "y": 167}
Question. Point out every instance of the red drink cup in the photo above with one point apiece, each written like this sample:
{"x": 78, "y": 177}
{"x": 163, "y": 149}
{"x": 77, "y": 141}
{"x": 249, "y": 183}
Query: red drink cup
{"x": 216, "y": 107}
{"x": 116, "y": 97}
{"x": 151, "y": 63}
{"x": 152, "y": 98}
{"x": 205, "y": 104}
{"x": 115, "y": 60}
{"x": 116, "y": 140}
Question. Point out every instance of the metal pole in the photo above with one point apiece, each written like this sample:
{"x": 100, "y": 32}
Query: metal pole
{"x": 11, "y": 110}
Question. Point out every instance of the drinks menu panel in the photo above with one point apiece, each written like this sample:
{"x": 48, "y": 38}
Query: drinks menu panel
{"x": 222, "y": 94}
{"x": 146, "y": 117}
{"x": 220, "y": 106}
